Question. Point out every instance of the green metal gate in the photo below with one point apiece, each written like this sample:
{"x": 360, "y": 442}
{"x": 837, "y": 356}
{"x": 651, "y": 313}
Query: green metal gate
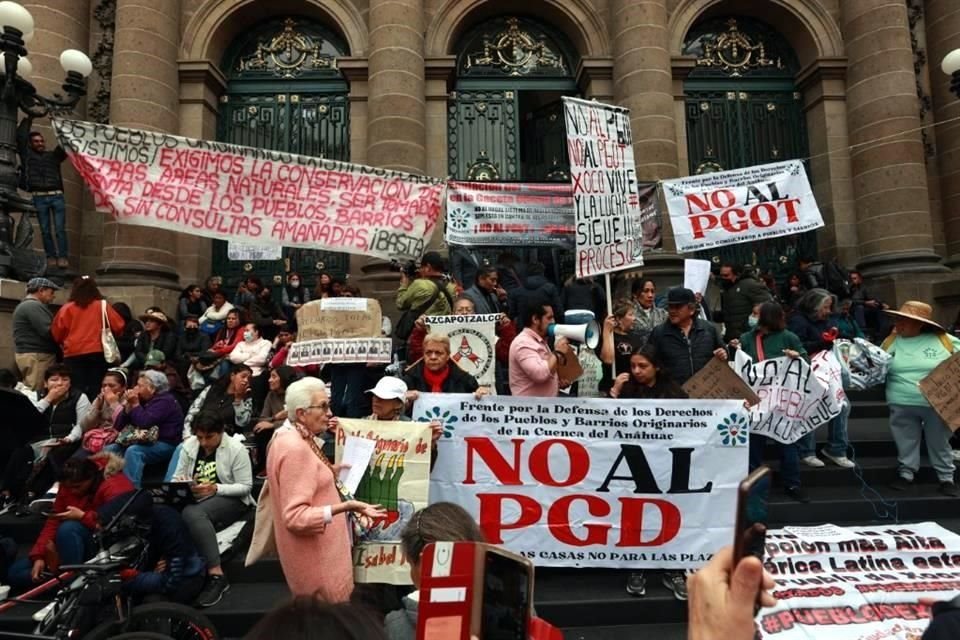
{"x": 286, "y": 94}
{"x": 743, "y": 109}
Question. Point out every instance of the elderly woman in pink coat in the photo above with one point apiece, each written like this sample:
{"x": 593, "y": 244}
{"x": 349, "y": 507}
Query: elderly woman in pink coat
{"x": 310, "y": 519}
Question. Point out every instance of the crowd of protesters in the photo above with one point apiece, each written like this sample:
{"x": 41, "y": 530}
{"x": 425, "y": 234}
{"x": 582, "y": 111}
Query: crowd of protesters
{"x": 205, "y": 395}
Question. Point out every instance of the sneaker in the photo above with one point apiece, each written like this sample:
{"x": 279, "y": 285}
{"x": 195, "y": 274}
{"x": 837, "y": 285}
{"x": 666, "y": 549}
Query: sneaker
{"x": 840, "y": 461}
{"x": 63, "y": 263}
{"x": 798, "y": 494}
{"x": 901, "y": 483}
{"x": 637, "y": 584}
{"x": 956, "y": 455}
{"x": 51, "y": 263}
{"x": 212, "y": 592}
{"x": 949, "y": 489}
{"x": 812, "y": 461}
{"x": 676, "y": 581}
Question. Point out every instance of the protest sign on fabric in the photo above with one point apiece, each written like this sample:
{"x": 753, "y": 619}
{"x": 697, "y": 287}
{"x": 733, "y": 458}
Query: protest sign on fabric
{"x": 593, "y": 482}
{"x": 399, "y": 479}
{"x": 828, "y": 370}
{"x": 858, "y": 583}
{"x": 245, "y": 251}
{"x": 609, "y": 207}
{"x": 339, "y": 318}
{"x": 942, "y": 390}
{"x": 340, "y": 351}
{"x": 473, "y": 341}
{"x": 717, "y": 381}
{"x": 258, "y": 196}
{"x": 509, "y": 213}
{"x": 793, "y": 401}
{"x": 743, "y": 205}
{"x": 588, "y": 384}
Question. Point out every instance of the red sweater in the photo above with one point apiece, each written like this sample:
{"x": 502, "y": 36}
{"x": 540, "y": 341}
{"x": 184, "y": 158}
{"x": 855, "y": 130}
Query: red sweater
{"x": 224, "y": 344}
{"x": 110, "y": 488}
{"x": 77, "y": 329}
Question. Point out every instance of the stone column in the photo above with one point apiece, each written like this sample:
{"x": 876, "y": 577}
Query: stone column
{"x": 60, "y": 24}
{"x": 889, "y": 176}
{"x": 396, "y": 129}
{"x": 643, "y": 82}
{"x": 943, "y": 36}
{"x": 145, "y": 94}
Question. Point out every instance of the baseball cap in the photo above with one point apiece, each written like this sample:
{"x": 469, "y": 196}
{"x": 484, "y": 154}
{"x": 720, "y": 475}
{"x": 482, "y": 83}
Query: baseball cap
{"x": 390, "y": 388}
{"x": 680, "y": 295}
{"x": 155, "y": 358}
{"x": 35, "y": 284}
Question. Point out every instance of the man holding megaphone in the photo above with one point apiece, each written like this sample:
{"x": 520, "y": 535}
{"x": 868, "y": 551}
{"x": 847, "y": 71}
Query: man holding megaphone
{"x": 533, "y": 365}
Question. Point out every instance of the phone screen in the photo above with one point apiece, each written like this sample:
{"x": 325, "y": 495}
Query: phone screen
{"x": 506, "y": 604}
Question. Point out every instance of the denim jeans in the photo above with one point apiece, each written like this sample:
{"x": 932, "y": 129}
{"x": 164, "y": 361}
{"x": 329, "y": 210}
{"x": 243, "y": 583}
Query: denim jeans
{"x": 837, "y": 444}
{"x": 137, "y": 456}
{"x": 74, "y": 544}
{"x": 57, "y": 206}
{"x": 907, "y": 424}
{"x": 789, "y": 460}
{"x": 172, "y": 467}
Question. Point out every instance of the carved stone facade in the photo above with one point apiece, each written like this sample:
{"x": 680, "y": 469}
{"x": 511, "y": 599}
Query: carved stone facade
{"x": 867, "y": 83}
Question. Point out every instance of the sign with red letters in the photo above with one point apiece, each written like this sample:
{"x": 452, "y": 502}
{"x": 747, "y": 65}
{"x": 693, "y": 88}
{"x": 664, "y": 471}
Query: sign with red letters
{"x": 582, "y": 482}
{"x": 254, "y": 196}
{"x": 744, "y": 205}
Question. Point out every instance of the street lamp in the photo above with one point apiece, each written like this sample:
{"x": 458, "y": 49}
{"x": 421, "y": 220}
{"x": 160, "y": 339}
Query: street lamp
{"x": 951, "y": 67}
{"x": 16, "y": 93}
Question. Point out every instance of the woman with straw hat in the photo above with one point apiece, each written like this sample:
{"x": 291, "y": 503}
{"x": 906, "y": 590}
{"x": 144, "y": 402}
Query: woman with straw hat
{"x": 918, "y": 345}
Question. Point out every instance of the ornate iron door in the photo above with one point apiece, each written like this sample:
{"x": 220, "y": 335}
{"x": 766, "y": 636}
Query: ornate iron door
{"x": 482, "y": 138}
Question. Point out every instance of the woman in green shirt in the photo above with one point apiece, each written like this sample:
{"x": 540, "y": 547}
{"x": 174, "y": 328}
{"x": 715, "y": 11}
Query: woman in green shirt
{"x": 770, "y": 339}
{"x": 918, "y": 345}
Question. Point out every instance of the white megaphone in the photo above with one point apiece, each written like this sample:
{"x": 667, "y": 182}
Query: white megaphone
{"x": 588, "y": 333}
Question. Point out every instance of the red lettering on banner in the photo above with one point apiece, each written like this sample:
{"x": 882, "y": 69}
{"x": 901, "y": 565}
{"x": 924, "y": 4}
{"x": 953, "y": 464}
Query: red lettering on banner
{"x": 558, "y": 519}
{"x": 491, "y": 456}
{"x": 491, "y": 514}
{"x": 631, "y": 518}
{"x": 577, "y": 456}
{"x": 737, "y": 220}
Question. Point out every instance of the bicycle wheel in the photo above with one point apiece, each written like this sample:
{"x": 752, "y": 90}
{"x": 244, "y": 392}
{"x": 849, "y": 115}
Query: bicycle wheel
{"x": 177, "y": 621}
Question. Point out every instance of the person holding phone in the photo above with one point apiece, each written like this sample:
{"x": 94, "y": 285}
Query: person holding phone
{"x": 771, "y": 339}
{"x": 86, "y": 484}
{"x": 648, "y": 380}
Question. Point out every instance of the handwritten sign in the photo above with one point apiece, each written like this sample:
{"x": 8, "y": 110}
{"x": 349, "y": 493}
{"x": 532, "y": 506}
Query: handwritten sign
{"x": 606, "y": 201}
{"x": 942, "y": 390}
{"x": 340, "y": 351}
{"x": 316, "y": 320}
{"x": 258, "y": 196}
{"x": 717, "y": 381}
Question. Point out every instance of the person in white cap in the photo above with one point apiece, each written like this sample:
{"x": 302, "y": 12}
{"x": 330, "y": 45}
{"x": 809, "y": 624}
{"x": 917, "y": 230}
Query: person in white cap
{"x": 389, "y": 402}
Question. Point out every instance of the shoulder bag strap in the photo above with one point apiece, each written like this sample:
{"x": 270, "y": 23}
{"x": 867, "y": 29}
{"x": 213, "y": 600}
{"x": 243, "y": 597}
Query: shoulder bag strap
{"x": 759, "y": 343}
{"x": 105, "y": 322}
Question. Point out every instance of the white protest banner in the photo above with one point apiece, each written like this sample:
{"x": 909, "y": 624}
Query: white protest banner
{"x": 509, "y": 213}
{"x": 242, "y": 194}
{"x": 245, "y": 251}
{"x": 793, "y": 401}
{"x": 743, "y": 205}
{"x": 607, "y": 203}
{"x": 829, "y": 372}
{"x": 473, "y": 341}
{"x": 858, "y": 583}
{"x": 399, "y": 479}
{"x": 340, "y": 351}
{"x": 581, "y": 482}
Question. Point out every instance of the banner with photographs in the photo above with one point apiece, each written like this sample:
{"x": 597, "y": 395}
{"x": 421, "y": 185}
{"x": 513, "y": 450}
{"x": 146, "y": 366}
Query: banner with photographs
{"x": 340, "y": 351}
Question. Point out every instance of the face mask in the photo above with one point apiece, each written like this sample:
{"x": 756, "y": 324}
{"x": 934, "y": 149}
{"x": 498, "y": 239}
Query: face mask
{"x": 294, "y": 283}
{"x": 752, "y": 321}
{"x": 192, "y": 331}
{"x": 248, "y": 336}
{"x": 726, "y": 284}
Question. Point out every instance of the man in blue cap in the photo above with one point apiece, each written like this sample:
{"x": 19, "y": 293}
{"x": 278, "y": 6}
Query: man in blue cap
{"x": 34, "y": 348}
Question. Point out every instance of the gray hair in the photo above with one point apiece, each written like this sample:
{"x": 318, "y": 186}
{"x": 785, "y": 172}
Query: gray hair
{"x": 157, "y": 379}
{"x": 300, "y": 394}
{"x": 437, "y": 338}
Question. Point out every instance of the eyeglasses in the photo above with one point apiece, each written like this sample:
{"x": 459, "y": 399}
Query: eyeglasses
{"x": 323, "y": 406}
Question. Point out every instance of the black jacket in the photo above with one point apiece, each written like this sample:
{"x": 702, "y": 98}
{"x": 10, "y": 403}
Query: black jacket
{"x": 737, "y": 303}
{"x": 684, "y": 355}
{"x": 582, "y": 294}
{"x": 192, "y": 345}
{"x": 945, "y": 624}
{"x": 42, "y": 170}
{"x": 166, "y": 342}
{"x": 459, "y": 381}
{"x": 62, "y": 416}
{"x": 535, "y": 287}
{"x": 810, "y": 332}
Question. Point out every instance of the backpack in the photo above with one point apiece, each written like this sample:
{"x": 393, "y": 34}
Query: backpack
{"x": 836, "y": 280}
{"x": 408, "y": 319}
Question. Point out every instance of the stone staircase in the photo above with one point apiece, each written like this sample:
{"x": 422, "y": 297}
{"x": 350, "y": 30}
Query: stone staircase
{"x": 591, "y": 604}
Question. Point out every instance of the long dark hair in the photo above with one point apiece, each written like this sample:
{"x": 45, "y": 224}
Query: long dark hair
{"x": 440, "y": 522}
{"x": 81, "y": 470}
{"x": 84, "y": 291}
{"x": 308, "y": 618}
{"x": 772, "y": 317}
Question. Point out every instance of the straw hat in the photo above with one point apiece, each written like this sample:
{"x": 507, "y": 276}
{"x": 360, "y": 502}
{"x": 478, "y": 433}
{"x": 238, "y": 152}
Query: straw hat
{"x": 157, "y": 315}
{"x": 919, "y": 311}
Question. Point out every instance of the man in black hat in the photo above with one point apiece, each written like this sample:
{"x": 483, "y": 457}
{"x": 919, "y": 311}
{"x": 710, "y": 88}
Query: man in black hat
{"x": 430, "y": 293}
{"x": 685, "y": 342}
{"x": 34, "y": 348}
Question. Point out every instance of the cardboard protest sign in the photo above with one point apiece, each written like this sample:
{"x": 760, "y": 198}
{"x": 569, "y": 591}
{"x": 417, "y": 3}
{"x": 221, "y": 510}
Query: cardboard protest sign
{"x": 793, "y": 401}
{"x": 743, "y": 205}
{"x": 242, "y": 194}
{"x": 509, "y": 213}
{"x": 579, "y": 482}
{"x": 473, "y": 341}
{"x": 717, "y": 381}
{"x": 857, "y": 583}
{"x": 588, "y": 384}
{"x": 399, "y": 479}
{"x": 339, "y": 318}
{"x": 608, "y": 205}
{"x": 942, "y": 390}
{"x": 340, "y": 351}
